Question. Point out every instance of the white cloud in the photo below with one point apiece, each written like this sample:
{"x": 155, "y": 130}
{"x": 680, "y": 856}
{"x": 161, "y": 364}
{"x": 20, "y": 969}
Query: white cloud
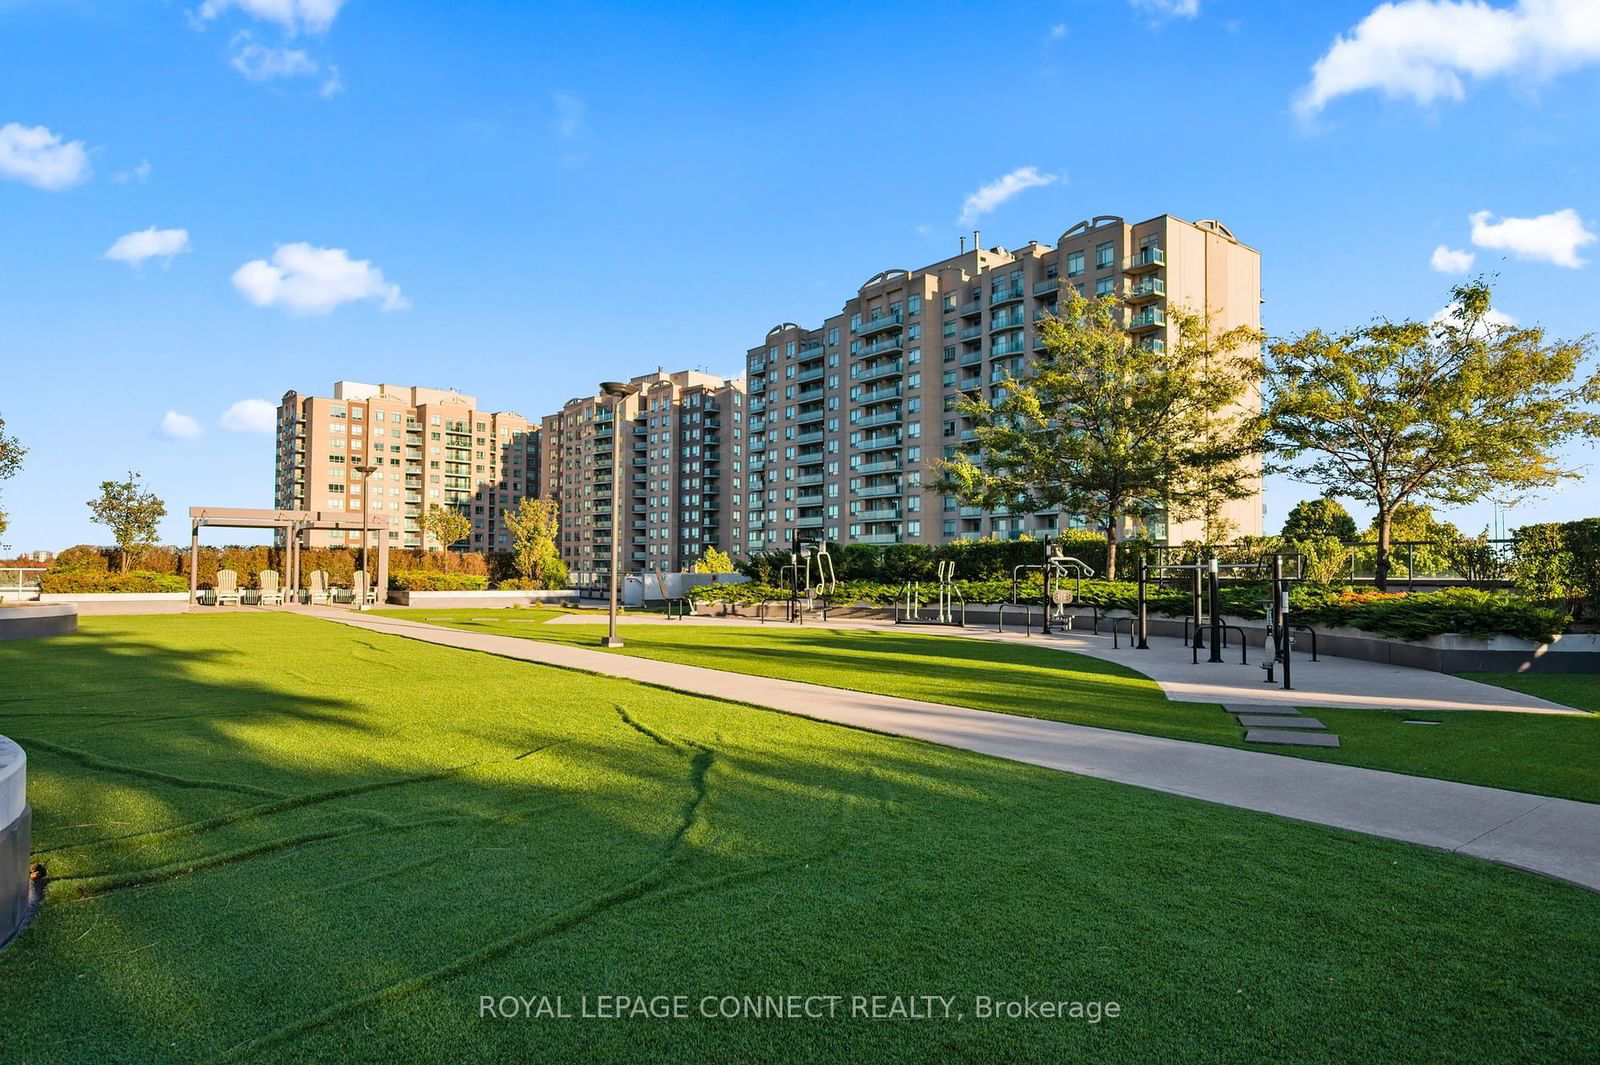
{"x": 38, "y": 156}
{"x": 175, "y": 426}
{"x": 295, "y": 16}
{"x": 1058, "y": 31}
{"x": 137, "y": 174}
{"x": 1165, "y": 9}
{"x": 1448, "y": 260}
{"x": 260, "y": 62}
{"x": 141, "y": 245}
{"x": 1552, "y": 238}
{"x": 307, "y": 280}
{"x": 250, "y": 416}
{"x": 1426, "y": 50}
{"x": 998, "y": 191}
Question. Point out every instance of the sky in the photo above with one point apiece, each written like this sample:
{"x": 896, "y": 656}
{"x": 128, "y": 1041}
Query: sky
{"x": 205, "y": 203}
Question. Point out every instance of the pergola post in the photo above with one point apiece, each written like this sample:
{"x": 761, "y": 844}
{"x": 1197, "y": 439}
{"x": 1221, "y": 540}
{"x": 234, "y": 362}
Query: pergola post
{"x": 194, "y": 561}
{"x": 383, "y": 564}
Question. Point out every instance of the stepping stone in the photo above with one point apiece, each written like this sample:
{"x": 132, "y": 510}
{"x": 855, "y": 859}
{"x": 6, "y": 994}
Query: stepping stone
{"x": 1281, "y": 709}
{"x": 1290, "y": 738}
{"x": 1265, "y": 721}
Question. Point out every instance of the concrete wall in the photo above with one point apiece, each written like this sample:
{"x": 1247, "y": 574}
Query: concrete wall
{"x": 25, "y": 622}
{"x": 15, "y": 822}
{"x": 486, "y": 599}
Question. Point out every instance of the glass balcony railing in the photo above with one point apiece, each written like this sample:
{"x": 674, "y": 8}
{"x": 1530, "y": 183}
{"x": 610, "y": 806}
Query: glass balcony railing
{"x": 879, "y": 347}
{"x": 887, "y": 369}
{"x": 972, "y": 332}
{"x": 1005, "y": 295}
{"x": 1147, "y": 259}
{"x": 881, "y": 466}
{"x": 892, "y": 417}
{"x": 1149, "y": 318}
{"x": 1150, "y": 288}
{"x": 869, "y": 491}
{"x": 1047, "y": 286}
{"x": 878, "y": 395}
{"x": 878, "y": 324}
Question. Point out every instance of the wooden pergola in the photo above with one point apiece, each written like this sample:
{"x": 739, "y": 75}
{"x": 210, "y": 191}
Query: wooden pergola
{"x": 294, "y": 524}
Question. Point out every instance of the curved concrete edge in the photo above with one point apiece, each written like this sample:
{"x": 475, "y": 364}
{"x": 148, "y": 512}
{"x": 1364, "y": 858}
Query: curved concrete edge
{"x": 16, "y": 822}
{"x": 42, "y": 619}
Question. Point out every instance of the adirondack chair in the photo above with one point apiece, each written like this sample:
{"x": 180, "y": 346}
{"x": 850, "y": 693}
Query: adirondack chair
{"x": 271, "y": 593}
{"x": 364, "y": 592}
{"x": 319, "y": 586}
{"x": 227, "y": 587}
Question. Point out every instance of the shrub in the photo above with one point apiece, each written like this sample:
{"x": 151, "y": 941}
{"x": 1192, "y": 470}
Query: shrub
{"x": 1559, "y": 563}
{"x": 81, "y": 557}
{"x": 433, "y": 581}
{"x": 85, "y": 581}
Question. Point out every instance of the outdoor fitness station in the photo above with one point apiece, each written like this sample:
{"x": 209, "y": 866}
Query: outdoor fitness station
{"x": 950, "y": 608}
{"x": 1059, "y": 571}
{"x": 293, "y": 525}
{"x": 810, "y": 578}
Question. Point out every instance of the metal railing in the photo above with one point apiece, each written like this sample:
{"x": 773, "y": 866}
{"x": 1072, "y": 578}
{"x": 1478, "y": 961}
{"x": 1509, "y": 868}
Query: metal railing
{"x": 17, "y": 586}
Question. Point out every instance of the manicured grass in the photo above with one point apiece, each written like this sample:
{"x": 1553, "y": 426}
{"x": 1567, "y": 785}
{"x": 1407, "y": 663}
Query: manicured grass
{"x": 278, "y": 839}
{"x": 1581, "y": 690}
{"x": 1540, "y": 753}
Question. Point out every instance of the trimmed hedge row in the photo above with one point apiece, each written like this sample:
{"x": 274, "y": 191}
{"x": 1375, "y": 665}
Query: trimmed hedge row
{"x": 86, "y": 581}
{"x": 426, "y": 581}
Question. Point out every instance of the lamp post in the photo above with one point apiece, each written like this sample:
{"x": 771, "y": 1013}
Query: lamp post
{"x": 366, "y": 544}
{"x": 617, "y": 391}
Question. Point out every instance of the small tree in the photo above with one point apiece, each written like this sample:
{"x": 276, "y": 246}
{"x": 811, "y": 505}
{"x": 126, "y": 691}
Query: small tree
{"x": 714, "y": 561}
{"x": 1317, "y": 519}
{"x": 11, "y": 452}
{"x": 1116, "y": 431}
{"x": 1446, "y": 412}
{"x": 131, "y": 514}
{"x": 534, "y": 554}
{"x": 446, "y": 525}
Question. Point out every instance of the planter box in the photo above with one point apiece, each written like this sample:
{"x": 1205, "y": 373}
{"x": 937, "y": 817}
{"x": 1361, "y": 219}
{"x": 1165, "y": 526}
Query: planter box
{"x": 121, "y": 602}
{"x": 488, "y": 600}
{"x": 24, "y": 622}
{"x": 15, "y": 820}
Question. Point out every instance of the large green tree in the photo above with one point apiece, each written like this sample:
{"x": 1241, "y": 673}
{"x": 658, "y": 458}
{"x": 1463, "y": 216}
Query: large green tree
{"x": 446, "y": 525}
{"x": 534, "y": 553}
{"x": 11, "y": 452}
{"x": 130, "y": 512}
{"x": 1317, "y": 519}
{"x": 1116, "y": 430}
{"x": 1450, "y": 411}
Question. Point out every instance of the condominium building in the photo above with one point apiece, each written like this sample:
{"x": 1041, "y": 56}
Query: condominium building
{"x": 850, "y": 420}
{"x": 428, "y": 447}
{"x": 671, "y": 459}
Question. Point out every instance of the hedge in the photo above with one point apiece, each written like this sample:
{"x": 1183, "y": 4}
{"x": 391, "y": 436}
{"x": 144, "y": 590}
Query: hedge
{"x": 424, "y": 581}
{"x": 84, "y": 581}
{"x": 1559, "y": 562}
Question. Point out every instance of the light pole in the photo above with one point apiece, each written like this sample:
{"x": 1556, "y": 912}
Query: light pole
{"x": 366, "y": 544}
{"x": 617, "y": 391}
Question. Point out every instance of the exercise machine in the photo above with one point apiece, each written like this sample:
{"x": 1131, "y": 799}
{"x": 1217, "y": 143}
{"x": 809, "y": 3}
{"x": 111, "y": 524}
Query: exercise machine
{"x": 950, "y": 606}
{"x": 810, "y": 577}
{"x": 1058, "y": 571}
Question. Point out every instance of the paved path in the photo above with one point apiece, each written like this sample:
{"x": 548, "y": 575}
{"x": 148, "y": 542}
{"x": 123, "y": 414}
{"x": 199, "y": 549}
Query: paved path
{"x": 1332, "y": 682}
{"x": 1556, "y": 837}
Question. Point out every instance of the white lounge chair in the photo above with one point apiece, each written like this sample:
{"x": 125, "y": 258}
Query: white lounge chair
{"x": 319, "y": 586}
{"x": 363, "y": 592}
{"x": 271, "y": 594}
{"x": 227, "y": 587}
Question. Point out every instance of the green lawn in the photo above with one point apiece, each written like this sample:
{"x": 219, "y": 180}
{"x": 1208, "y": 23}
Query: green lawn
{"x": 1540, "y": 753}
{"x": 277, "y": 839}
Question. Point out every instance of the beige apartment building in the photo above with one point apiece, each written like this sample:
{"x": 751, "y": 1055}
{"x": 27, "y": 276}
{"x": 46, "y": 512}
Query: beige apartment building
{"x": 678, "y": 444}
{"x": 850, "y": 420}
{"x": 429, "y": 446}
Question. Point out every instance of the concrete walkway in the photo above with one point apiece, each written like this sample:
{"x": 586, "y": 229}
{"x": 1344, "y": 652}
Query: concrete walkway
{"x": 1331, "y": 682}
{"x": 1556, "y": 837}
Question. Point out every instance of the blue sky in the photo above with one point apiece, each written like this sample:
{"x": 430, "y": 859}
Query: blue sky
{"x": 518, "y": 200}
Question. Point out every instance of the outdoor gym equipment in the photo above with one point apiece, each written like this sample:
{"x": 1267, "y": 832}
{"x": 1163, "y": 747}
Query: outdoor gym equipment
{"x": 951, "y": 608}
{"x": 678, "y": 607}
{"x": 1280, "y": 640}
{"x": 1057, "y": 570}
{"x": 1204, "y": 589}
{"x": 810, "y": 577}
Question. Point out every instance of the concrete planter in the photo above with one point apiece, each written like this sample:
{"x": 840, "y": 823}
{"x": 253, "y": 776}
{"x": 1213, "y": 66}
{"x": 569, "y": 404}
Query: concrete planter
{"x": 121, "y": 602}
{"x": 488, "y": 599}
{"x": 16, "y": 819}
{"x": 23, "y": 622}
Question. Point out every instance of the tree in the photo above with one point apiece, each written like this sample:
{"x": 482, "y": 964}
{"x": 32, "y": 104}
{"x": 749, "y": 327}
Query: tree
{"x": 446, "y": 525}
{"x": 1451, "y": 411}
{"x": 1115, "y": 431}
{"x": 130, "y": 513}
{"x": 11, "y": 452}
{"x": 1318, "y": 519}
{"x": 714, "y": 561}
{"x": 533, "y": 543}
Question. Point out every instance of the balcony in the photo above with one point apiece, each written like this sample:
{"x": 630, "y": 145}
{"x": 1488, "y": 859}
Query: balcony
{"x": 810, "y": 436}
{"x": 1047, "y": 286}
{"x": 809, "y": 498}
{"x": 967, "y": 384}
{"x": 1149, "y": 288}
{"x": 808, "y": 478}
{"x": 887, "y": 369}
{"x": 1015, "y": 320}
{"x": 1002, "y": 348}
{"x": 868, "y": 491}
{"x": 972, "y": 512}
{"x": 972, "y": 309}
{"x": 877, "y": 538}
{"x": 810, "y": 375}
{"x": 881, "y": 466}
{"x": 758, "y": 365}
{"x": 972, "y": 332}
{"x": 1154, "y": 344}
{"x": 969, "y": 435}
{"x": 809, "y": 351}
{"x": 1149, "y": 318}
{"x": 878, "y": 324}
{"x": 878, "y": 395}
{"x": 1005, "y": 295}
{"x": 880, "y": 347}
{"x": 813, "y": 392}
{"x": 892, "y": 417}
{"x": 878, "y": 441}
{"x": 809, "y": 521}
{"x": 880, "y": 513}
{"x": 972, "y": 358}
{"x": 1146, "y": 259}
